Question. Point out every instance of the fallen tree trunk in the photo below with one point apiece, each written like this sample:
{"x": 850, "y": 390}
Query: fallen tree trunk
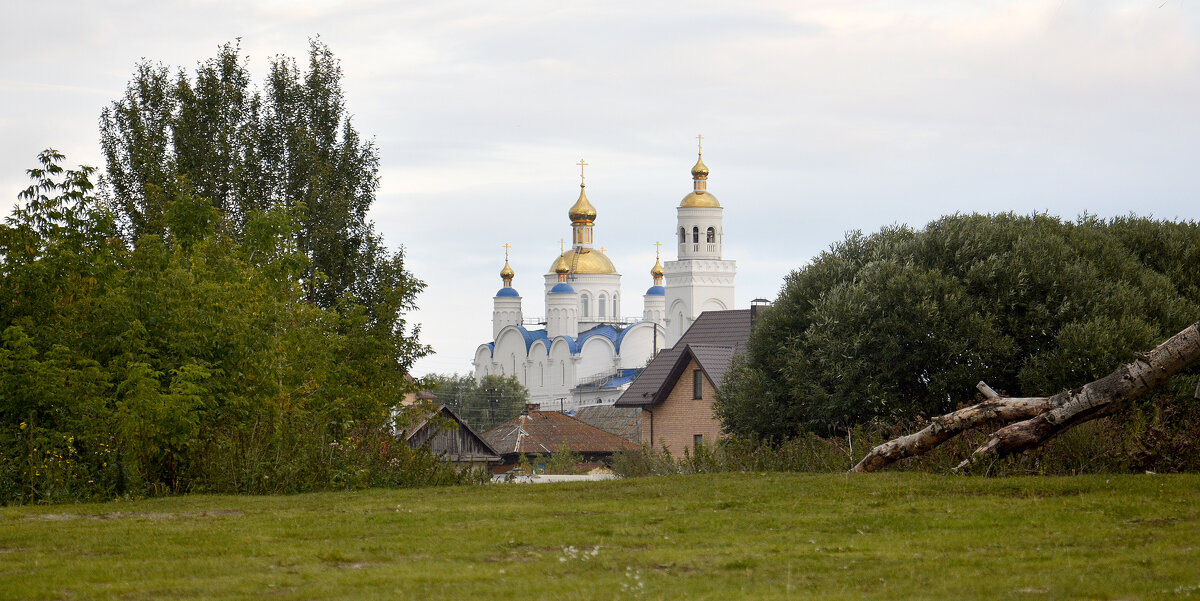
{"x": 1033, "y": 421}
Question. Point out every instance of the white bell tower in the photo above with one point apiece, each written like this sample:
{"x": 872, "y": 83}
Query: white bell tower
{"x": 699, "y": 280}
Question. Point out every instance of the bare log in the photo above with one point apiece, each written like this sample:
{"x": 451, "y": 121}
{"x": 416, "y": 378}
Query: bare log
{"x": 1032, "y": 421}
{"x": 1096, "y": 399}
{"x": 943, "y": 428}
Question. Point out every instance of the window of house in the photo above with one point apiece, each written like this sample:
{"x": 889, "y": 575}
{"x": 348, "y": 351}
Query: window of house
{"x": 695, "y": 235}
{"x": 601, "y": 306}
{"x": 697, "y": 384}
{"x": 583, "y": 303}
{"x": 712, "y": 235}
{"x": 682, "y": 235}
{"x": 697, "y": 440}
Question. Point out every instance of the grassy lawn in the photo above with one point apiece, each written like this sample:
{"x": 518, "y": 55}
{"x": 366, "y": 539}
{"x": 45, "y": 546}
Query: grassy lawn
{"x": 730, "y": 536}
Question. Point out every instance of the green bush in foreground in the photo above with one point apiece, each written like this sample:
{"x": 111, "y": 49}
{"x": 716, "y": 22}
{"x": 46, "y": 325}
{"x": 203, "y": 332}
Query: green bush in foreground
{"x": 186, "y": 363}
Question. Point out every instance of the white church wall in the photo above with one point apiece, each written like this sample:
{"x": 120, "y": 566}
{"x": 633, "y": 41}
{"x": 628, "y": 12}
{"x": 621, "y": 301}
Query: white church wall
{"x": 597, "y": 356}
{"x": 638, "y": 344}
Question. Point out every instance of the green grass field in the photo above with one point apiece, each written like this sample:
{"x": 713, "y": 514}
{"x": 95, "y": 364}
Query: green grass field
{"x": 728, "y": 536}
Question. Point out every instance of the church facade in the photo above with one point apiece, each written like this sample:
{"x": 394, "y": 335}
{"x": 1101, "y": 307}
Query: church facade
{"x": 583, "y": 352}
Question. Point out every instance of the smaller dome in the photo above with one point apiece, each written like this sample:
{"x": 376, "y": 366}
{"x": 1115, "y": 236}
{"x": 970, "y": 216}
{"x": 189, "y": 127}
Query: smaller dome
{"x": 657, "y": 271}
{"x": 700, "y": 170}
{"x": 561, "y": 266}
{"x": 507, "y": 273}
{"x": 562, "y": 288}
{"x": 582, "y": 211}
{"x": 656, "y": 291}
{"x": 507, "y": 291}
{"x": 699, "y": 198}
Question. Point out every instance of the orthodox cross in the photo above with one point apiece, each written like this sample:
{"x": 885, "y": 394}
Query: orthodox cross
{"x": 657, "y": 245}
{"x": 581, "y": 164}
{"x": 506, "y": 247}
{"x": 699, "y": 141}
{"x": 561, "y": 242}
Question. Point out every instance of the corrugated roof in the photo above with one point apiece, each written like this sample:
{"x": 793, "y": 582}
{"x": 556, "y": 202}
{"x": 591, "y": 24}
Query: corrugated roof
{"x": 622, "y": 421}
{"x": 543, "y": 432}
{"x": 728, "y": 329}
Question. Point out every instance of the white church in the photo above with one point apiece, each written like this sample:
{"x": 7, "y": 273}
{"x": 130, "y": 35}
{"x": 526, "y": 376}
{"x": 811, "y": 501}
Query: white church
{"x": 583, "y": 353}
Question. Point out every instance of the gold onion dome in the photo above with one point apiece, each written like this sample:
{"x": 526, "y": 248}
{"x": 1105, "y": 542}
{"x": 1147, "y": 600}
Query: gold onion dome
{"x": 582, "y": 211}
{"x": 507, "y": 273}
{"x": 590, "y": 261}
{"x": 657, "y": 271}
{"x": 561, "y": 266}
{"x": 699, "y": 198}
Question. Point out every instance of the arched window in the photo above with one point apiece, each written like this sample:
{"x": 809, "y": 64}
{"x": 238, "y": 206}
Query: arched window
{"x": 682, "y": 236}
{"x": 583, "y": 304}
{"x": 695, "y": 235}
{"x": 712, "y": 235}
{"x": 616, "y": 306}
{"x": 600, "y": 306}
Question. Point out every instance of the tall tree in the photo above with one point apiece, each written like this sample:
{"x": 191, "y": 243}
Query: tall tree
{"x": 290, "y": 145}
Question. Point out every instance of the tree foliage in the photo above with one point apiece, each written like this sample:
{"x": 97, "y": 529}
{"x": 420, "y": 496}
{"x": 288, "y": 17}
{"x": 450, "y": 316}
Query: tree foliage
{"x": 190, "y": 361}
{"x": 903, "y": 323}
{"x": 290, "y": 145}
{"x": 483, "y": 404}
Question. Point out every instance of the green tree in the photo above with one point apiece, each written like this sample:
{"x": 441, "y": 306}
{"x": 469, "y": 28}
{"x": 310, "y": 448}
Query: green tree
{"x": 904, "y": 323}
{"x": 290, "y": 145}
{"x": 192, "y": 360}
{"x": 483, "y": 404}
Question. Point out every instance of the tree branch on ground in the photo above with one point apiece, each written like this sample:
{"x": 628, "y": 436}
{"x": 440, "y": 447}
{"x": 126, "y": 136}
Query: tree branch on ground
{"x": 1029, "y": 422}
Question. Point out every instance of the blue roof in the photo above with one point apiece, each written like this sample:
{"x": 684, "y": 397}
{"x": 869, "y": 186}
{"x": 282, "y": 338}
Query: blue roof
{"x": 562, "y": 288}
{"x": 604, "y": 330}
{"x": 531, "y": 337}
{"x": 622, "y": 380}
{"x": 655, "y": 291}
{"x": 507, "y": 291}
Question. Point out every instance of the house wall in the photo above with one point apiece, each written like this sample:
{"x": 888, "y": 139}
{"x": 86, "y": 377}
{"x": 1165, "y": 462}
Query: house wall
{"x": 679, "y": 418}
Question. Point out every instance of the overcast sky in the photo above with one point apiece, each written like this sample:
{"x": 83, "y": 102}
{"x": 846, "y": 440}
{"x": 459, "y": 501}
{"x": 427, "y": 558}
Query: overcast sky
{"x": 818, "y": 118}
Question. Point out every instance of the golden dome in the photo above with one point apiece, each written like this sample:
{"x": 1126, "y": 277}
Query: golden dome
{"x": 657, "y": 271}
{"x": 582, "y": 211}
{"x": 591, "y": 261}
{"x": 700, "y": 171}
{"x": 561, "y": 266}
{"x": 699, "y": 198}
{"x": 507, "y": 273}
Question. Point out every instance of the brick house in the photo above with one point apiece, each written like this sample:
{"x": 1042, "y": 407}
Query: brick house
{"x": 676, "y": 391}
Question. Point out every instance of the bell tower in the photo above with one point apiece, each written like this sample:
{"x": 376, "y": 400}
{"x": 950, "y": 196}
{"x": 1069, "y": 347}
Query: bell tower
{"x": 699, "y": 279}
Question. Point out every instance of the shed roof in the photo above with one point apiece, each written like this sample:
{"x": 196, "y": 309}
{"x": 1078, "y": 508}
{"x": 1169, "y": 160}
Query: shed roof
{"x": 714, "y": 338}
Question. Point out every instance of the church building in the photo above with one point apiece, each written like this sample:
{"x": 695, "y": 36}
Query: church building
{"x": 583, "y": 352}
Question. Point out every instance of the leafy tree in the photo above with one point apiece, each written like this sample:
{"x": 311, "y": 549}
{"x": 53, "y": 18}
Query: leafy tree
{"x": 189, "y": 361}
{"x": 291, "y": 145}
{"x": 483, "y": 404}
{"x": 904, "y": 322}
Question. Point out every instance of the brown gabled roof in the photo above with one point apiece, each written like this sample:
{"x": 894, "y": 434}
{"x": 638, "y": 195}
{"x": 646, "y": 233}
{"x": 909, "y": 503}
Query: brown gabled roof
{"x": 715, "y": 337}
{"x": 543, "y": 432}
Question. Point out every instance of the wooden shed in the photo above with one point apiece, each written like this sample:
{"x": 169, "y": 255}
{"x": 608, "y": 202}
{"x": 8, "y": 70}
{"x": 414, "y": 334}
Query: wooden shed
{"x": 458, "y": 444}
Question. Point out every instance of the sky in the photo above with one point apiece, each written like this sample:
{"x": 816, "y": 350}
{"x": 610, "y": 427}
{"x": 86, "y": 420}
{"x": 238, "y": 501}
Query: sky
{"x": 818, "y": 117}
